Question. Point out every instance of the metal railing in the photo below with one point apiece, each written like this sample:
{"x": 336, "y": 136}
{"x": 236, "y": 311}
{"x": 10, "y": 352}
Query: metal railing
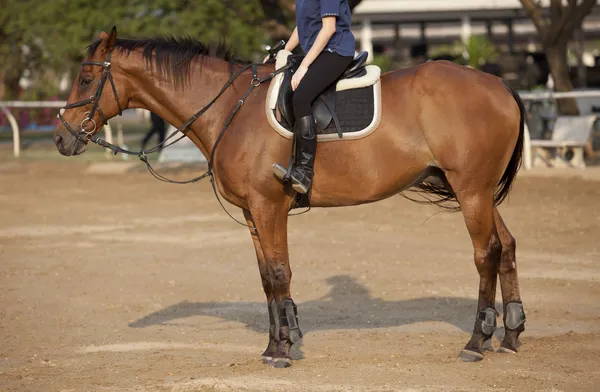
{"x": 545, "y": 96}
{"x": 5, "y": 107}
{"x": 526, "y": 96}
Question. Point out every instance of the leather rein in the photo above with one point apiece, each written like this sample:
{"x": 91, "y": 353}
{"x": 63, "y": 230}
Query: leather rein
{"x": 88, "y": 136}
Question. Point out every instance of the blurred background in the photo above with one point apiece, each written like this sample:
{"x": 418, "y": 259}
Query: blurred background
{"x": 536, "y": 46}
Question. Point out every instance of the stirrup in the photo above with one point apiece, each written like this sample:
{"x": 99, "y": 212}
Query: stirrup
{"x": 281, "y": 173}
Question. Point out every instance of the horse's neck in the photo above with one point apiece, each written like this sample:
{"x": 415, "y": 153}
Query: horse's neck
{"x": 177, "y": 104}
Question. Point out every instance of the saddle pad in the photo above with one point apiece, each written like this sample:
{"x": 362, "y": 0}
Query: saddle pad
{"x": 358, "y": 106}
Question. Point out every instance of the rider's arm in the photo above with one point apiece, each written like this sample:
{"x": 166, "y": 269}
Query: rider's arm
{"x": 293, "y": 41}
{"x": 321, "y": 42}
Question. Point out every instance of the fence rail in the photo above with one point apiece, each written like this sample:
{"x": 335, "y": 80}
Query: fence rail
{"x": 5, "y": 107}
{"x": 525, "y": 95}
{"x": 543, "y": 96}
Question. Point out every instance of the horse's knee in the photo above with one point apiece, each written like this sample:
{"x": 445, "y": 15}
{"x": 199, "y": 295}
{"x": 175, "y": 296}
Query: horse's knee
{"x": 486, "y": 258}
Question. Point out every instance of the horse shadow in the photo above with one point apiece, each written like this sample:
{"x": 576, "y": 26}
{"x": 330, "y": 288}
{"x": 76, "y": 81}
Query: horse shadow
{"x": 348, "y": 305}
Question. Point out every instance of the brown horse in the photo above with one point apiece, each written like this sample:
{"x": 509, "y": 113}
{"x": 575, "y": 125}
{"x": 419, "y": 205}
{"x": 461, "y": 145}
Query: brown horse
{"x": 449, "y": 130}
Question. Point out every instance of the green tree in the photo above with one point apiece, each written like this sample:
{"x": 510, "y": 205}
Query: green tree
{"x": 38, "y": 36}
{"x": 479, "y": 51}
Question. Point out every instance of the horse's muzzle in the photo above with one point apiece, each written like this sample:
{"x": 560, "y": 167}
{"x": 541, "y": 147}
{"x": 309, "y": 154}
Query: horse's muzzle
{"x": 69, "y": 146}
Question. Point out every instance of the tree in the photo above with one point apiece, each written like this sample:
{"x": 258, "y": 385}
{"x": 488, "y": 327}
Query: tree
{"x": 39, "y": 36}
{"x": 556, "y": 27}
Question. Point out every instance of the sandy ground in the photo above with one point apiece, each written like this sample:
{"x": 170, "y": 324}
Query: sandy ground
{"x": 117, "y": 282}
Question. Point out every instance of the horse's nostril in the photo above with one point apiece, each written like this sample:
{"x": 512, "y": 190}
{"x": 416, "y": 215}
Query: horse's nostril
{"x": 57, "y": 139}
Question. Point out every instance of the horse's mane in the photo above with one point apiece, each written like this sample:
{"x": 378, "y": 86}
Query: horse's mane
{"x": 171, "y": 56}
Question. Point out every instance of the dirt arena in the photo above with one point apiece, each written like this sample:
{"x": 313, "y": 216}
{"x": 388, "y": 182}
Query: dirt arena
{"x": 117, "y": 282}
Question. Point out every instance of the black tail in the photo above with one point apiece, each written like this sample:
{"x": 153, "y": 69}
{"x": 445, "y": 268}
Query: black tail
{"x": 435, "y": 189}
{"x": 517, "y": 156}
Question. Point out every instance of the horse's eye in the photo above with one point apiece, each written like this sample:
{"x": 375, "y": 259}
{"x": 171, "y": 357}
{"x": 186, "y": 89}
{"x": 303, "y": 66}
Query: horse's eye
{"x": 85, "y": 82}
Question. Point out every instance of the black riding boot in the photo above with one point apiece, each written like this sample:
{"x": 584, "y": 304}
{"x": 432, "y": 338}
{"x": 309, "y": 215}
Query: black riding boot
{"x": 306, "y": 147}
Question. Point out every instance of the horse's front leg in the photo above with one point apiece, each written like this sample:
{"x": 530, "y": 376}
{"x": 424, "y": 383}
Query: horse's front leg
{"x": 267, "y": 355}
{"x": 268, "y": 224}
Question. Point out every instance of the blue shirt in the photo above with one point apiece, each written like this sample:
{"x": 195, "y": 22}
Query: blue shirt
{"x": 308, "y": 20}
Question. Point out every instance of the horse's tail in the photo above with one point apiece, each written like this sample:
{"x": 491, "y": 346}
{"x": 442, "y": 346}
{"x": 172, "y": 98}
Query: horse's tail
{"x": 516, "y": 159}
{"x": 435, "y": 189}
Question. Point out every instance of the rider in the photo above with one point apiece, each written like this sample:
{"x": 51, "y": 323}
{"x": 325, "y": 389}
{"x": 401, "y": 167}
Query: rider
{"x": 323, "y": 32}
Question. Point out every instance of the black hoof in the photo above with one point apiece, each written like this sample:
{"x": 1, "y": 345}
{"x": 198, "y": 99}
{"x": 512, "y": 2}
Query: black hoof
{"x": 280, "y": 363}
{"x": 470, "y": 356}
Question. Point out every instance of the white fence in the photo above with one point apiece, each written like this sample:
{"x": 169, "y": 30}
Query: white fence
{"x": 526, "y": 96}
{"x": 549, "y": 95}
{"x": 5, "y": 107}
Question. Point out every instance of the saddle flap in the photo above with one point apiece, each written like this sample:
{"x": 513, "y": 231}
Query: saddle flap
{"x": 324, "y": 109}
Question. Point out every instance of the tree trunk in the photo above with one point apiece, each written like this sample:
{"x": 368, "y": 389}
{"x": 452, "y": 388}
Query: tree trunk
{"x": 579, "y": 52}
{"x": 557, "y": 60}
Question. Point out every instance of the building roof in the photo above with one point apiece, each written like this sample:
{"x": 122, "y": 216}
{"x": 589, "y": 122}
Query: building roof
{"x": 412, "y": 11}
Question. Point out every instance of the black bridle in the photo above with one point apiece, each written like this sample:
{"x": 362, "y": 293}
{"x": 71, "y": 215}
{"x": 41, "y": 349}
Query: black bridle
{"x": 88, "y": 136}
{"x": 82, "y": 135}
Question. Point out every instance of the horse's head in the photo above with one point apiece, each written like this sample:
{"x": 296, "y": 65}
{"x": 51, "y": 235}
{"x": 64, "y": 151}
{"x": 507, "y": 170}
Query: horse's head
{"x": 95, "y": 97}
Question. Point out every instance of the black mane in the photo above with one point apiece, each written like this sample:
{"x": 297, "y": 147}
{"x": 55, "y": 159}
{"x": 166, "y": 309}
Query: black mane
{"x": 170, "y": 56}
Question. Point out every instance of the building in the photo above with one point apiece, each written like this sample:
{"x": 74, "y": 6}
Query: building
{"x": 399, "y": 25}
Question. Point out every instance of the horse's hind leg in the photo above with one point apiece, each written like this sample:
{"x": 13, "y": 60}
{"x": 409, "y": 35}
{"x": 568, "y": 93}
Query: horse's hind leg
{"x": 477, "y": 208}
{"x": 514, "y": 316}
{"x": 270, "y": 222}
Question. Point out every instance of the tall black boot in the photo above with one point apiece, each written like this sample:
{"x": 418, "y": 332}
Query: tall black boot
{"x": 306, "y": 148}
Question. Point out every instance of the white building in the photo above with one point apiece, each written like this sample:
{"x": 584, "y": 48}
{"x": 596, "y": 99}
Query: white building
{"x": 402, "y": 23}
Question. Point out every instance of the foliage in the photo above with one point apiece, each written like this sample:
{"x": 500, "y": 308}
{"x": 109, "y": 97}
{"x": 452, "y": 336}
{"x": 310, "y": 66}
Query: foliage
{"x": 476, "y": 52}
{"x": 479, "y": 51}
{"x": 39, "y": 35}
{"x": 455, "y": 49}
{"x": 383, "y": 61}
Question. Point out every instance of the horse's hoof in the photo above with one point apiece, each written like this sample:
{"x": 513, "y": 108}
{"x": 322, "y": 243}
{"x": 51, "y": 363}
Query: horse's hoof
{"x": 280, "y": 363}
{"x": 470, "y": 356}
{"x": 266, "y": 359}
{"x": 504, "y": 350}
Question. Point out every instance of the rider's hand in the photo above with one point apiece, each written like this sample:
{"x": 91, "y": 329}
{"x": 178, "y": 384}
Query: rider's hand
{"x": 297, "y": 78}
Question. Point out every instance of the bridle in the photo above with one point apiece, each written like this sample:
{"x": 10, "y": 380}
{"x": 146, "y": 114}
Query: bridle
{"x": 88, "y": 136}
{"x": 82, "y": 135}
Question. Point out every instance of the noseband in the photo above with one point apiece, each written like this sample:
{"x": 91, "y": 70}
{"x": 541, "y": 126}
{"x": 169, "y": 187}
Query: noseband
{"x": 82, "y": 135}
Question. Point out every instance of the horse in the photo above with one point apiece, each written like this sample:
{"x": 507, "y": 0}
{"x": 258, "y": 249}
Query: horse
{"x": 451, "y": 132}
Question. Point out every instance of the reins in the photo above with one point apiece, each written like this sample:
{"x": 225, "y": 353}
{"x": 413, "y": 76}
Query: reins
{"x": 87, "y": 136}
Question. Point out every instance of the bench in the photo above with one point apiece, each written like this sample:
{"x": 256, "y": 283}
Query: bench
{"x": 569, "y": 132}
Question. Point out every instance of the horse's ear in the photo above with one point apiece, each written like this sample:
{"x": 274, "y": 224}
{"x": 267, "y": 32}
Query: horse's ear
{"x": 112, "y": 39}
{"x": 102, "y": 35}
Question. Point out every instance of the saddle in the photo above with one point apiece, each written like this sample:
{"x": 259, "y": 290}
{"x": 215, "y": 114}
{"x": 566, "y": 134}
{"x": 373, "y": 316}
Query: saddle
{"x": 324, "y": 107}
